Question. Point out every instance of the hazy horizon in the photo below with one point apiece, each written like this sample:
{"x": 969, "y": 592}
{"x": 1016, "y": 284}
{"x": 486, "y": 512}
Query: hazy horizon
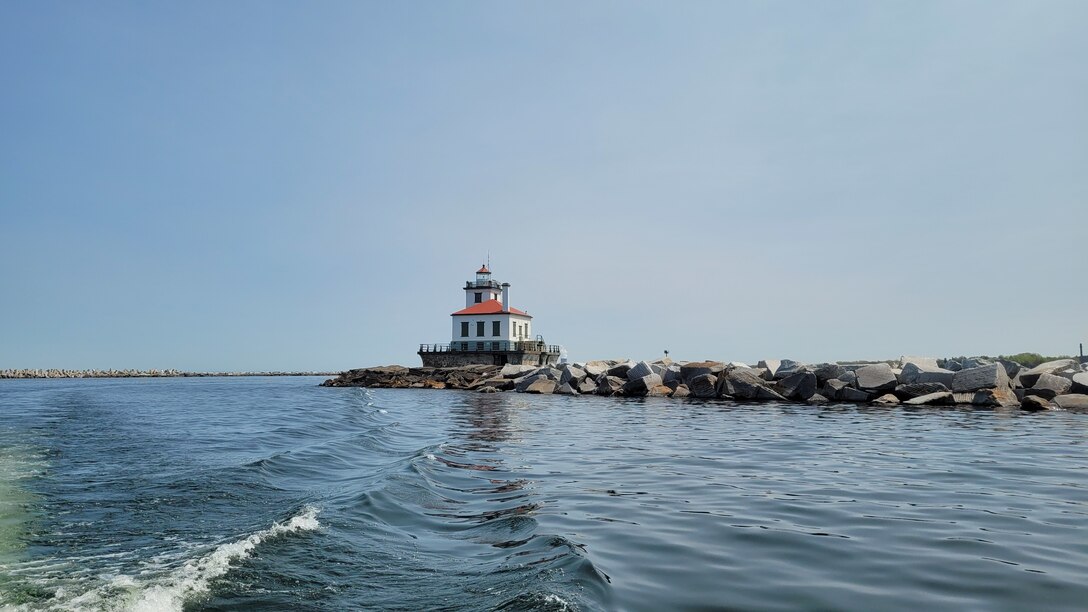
{"x": 272, "y": 186}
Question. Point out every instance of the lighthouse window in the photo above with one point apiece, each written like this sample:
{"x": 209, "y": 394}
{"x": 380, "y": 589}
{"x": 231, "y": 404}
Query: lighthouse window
{"x": 464, "y": 329}
{"x": 494, "y": 328}
{"x": 479, "y": 328}
{"x": 479, "y": 297}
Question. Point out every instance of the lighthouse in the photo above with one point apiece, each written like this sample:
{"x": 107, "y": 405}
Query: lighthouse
{"x": 488, "y": 330}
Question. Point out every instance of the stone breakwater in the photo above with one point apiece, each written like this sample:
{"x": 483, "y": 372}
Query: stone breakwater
{"x": 58, "y": 373}
{"x": 912, "y": 381}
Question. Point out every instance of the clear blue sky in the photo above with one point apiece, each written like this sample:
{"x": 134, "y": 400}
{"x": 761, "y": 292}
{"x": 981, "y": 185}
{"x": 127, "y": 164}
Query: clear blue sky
{"x": 273, "y": 185}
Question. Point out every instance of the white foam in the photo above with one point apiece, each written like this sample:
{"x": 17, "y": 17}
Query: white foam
{"x": 193, "y": 579}
{"x": 151, "y": 591}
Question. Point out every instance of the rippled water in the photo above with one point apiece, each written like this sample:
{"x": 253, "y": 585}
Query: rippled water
{"x": 273, "y": 493}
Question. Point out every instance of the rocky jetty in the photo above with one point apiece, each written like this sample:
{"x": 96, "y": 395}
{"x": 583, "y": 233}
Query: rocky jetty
{"x": 912, "y": 381}
{"x": 59, "y": 373}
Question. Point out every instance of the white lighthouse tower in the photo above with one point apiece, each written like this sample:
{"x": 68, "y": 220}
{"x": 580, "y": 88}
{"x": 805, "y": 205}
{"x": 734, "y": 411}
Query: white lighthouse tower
{"x": 488, "y": 330}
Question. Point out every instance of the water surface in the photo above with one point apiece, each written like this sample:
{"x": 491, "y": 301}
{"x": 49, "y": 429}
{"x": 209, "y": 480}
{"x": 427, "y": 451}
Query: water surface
{"x": 274, "y": 493}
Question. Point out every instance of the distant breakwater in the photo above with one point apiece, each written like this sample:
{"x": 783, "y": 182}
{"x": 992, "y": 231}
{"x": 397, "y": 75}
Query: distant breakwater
{"x": 59, "y": 373}
{"x": 913, "y": 381}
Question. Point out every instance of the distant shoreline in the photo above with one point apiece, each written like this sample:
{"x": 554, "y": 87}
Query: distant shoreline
{"x": 58, "y": 373}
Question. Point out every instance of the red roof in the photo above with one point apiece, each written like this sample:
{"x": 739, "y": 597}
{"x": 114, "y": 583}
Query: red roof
{"x": 489, "y": 307}
{"x": 483, "y": 270}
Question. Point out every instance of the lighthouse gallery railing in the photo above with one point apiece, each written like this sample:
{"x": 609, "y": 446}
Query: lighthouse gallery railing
{"x": 470, "y": 346}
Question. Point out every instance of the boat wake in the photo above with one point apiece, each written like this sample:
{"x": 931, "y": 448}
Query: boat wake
{"x": 152, "y": 590}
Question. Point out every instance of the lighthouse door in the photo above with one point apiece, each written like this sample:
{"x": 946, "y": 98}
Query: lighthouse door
{"x": 499, "y": 359}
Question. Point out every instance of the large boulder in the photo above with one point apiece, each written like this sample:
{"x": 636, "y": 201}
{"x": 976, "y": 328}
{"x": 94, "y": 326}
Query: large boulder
{"x": 571, "y": 375}
{"x": 1049, "y": 386}
{"x": 1033, "y": 403}
{"x": 850, "y": 394}
{"x": 1000, "y": 396}
{"x": 939, "y": 398}
{"x": 1072, "y": 401}
{"x": 913, "y": 390}
{"x": 1011, "y": 367}
{"x": 1028, "y": 378}
{"x": 621, "y": 369}
{"x": 672, "y": 374}
{"x": 704, "y": 386}
{"x": 638, "y": 387}
{"x": 544, "y": 386}
{"x": 689, "y": 371}
{"x": 1080, "y": 383}
{"x": 742, "y": 384}
{"x": 639, "y": 370}
{"x": 609, "y": 385}
{"x": 681, "y": 391}
{"x": 587, "y": 386}
{"x": 888, "y": 399}
{"x": 522, "y": 385}
{"x": 799, "y": 386}
{"x": 929, "y": 362}
{"x": 990, "y": 376}
{"x": 827, "y": 371}
{"x": 771, "y": 365}
{"x": 515, "y": 371}
{"x": 917, "y": 373}
{"x": 566, "y": 389}
{"x": 789, "y": 367}
{"x": 596, "y": 368}
{"x": 876, "y": 377}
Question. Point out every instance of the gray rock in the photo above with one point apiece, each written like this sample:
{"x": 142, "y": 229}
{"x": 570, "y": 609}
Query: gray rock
{"x": 523, "y": 384}
{"x": 925, "y": 362}
{"x": 832, "y": 387}
{"x": 1001, "y": 396}
{"x": 876, "y": 377}
{"x": 681, "y": 391}
{"x": 1051, "y": 382}
{"x": 826, "y": 371}
{"x": 938, "y": 398}
{"x": 639, "y": 370}
{"x": 849, "y": 377}
{"x": 1011, "y": 367}
{"x": 672, "y": 374}
{"x": 990, "y": 376}
{"x": 742, "y": 384}
{"x": 621, "y": 369}
{"x": 596, "y": 368}
{"x": 914, "y": 373}
{"x": 587, "y": 386}
{"x": 1028, "y": 378}
{"x": 887, "y": 399}
{"x": 704, "y": 386}
{"x": 817, "y": 399}
{"x": 799, "y": 386}
{"x": 544, "y": 386}
{"x": 571, "y": 375}
{"x": 565, "y": 389}
{"x": 771, "y": 365}
{"x": 689, "y": 371}
{"x": 974, "y": 362}
{"x": 638, "y": 387}
{"x": 850, "y": 394}
{"x": 789, "y": 367}
{"x": 1034, "y": 404}
{"x": 515, "y": 371}
{"x": 1072, "y": 401}
{"x": 609, "y": 385}
{"x": 912, "y": 390}
{"x": 1080, "y": 383}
